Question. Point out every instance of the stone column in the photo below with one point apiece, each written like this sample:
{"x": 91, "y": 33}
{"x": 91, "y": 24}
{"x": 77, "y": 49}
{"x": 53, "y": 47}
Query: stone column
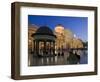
{"x": 37, "y": 47}
{"x": 50, "y": 48}
{"x": 53, "y": 48}
{"x": 44, "y": 51}
{"x": 34, "y": 46}
{"x": 34, "y": 51}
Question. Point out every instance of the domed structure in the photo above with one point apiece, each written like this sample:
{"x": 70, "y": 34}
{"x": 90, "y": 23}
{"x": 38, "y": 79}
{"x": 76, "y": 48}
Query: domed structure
{"x": 44, "y": 30}
{"x": 44, "y": 42}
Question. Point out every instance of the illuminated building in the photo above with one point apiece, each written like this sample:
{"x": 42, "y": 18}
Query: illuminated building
{"x": 59, "y": 32}
{"x": 44, "y": 42}
{"x": 31, "y": 29}
{"x": 65, "y": 39}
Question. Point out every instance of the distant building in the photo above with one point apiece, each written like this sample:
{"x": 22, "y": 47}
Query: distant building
{"x": 66, "y": 39}
{"x": 76, "y": 43}
{"x": 59, "y": 32}
{"x": 31, "y": 29}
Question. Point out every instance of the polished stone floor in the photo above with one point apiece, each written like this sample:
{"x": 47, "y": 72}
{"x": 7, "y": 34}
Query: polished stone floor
{"x": 66, "y": 59}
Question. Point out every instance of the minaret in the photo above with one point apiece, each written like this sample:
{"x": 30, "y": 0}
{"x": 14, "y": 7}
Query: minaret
{"x": 59, "y": 31}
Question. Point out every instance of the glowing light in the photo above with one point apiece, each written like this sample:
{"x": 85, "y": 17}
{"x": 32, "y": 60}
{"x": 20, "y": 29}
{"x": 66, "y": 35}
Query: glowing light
{"x": 59, "y": 29}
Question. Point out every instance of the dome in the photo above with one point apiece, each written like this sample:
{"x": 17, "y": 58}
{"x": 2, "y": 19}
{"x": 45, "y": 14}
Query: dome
{"x": 44, "y": 33}
{"x": 44, "y": 30}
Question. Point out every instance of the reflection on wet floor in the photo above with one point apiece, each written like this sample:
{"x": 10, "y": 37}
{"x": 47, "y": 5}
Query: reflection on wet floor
{"x": 66, "y": 59}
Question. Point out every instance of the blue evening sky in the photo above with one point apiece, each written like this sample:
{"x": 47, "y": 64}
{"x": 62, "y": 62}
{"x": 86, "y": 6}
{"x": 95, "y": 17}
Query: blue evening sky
{"x": 78, "y": 25}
